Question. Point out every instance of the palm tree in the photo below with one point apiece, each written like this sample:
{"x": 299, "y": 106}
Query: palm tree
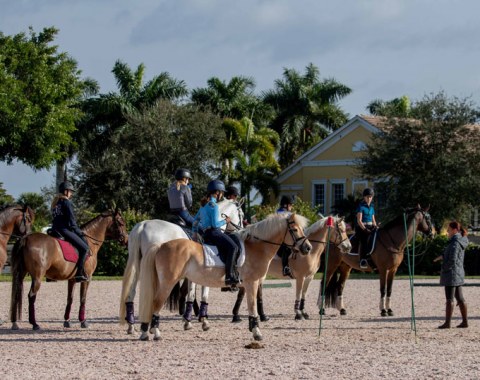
{"x": 398, "y": 107}
{"x": 306, "y": 110}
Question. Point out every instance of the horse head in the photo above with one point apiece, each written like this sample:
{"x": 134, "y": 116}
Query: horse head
{"x": 117, "y": 229}
{"x": 24, "y": 220}
{"x": 423, "y": 219}
{"x": 342, "y": 241}
{"x": 299, "y": 242}
{"x": 335, "y": 228}
{"x": 234, "y": 211}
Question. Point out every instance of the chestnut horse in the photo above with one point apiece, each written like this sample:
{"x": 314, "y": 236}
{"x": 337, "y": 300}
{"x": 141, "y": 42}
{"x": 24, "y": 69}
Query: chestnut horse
{"x": 303, "y": 267}
{"x": 15, "y": 221}
{"x": 387, "y": 255}
{"x": 40, "y": 255}
{"x": 164, "y": 265}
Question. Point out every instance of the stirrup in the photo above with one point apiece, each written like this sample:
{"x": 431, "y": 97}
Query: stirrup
{"x": 363, "y": 264}
{"x": 287, "y": 272}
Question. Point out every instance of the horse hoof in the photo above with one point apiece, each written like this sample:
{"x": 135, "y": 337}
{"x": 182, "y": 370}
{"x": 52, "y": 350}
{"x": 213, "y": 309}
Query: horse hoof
{"x": 298, "y": 317}
{"x": 15, "y": 326}
{"x": 383, "y": 313}
{"x": 67, "y": 324}
{"x": 36, "y": 327}
{"x": 343, "y": 312}
{"x": 305, "y": 316}
{"x": 264, "y": 318}
{"x": 84, "y": 325}
{"x": 205, "y": 327}
{"x": 390, "y": 312}
{"x": 131, "y": 329}
{"x": 144, "y": 337}
{"x": 156, "y": 337}
{"x": 258, "y": 337}
{"x": 236, "y": 319}
{"x": 187, "y": 326}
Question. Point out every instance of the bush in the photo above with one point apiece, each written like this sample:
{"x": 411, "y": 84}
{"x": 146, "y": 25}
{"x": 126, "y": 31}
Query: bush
{"x": 300, "y": 207}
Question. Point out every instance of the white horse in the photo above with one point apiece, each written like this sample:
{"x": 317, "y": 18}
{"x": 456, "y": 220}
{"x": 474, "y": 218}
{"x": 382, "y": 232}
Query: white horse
{"x": 149, "y": 232}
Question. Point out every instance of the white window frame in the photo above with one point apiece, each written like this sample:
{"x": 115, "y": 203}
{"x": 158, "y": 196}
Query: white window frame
{"x": 324, "y": 183}
{"x": 343, "y": 182}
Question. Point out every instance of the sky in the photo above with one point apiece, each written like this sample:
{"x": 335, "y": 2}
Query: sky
{"x": 381, "y": 49}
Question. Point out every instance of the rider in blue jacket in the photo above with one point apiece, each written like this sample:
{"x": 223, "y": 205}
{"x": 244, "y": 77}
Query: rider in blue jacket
{"x": 366, "y": 224}
{"x": 208, "y": 219}
{"x": 64, "y": 222}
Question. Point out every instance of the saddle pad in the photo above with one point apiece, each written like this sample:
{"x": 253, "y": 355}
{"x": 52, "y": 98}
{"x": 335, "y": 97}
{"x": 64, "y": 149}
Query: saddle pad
{"x": 69, "y": 252}
{"x": 212, "y": 259}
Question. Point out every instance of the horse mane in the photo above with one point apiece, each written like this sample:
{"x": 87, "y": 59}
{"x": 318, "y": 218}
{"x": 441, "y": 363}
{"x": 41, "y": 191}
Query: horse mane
{"x": 319, "y": 224}
{"x": 92, "y": 223}
{"x": 5, "y": 212}
{"x": 270, "y": 226}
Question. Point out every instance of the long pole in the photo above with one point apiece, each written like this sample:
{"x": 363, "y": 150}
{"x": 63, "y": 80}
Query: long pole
{"x": 410, "y": 263}
{"x": 322, "y": 308}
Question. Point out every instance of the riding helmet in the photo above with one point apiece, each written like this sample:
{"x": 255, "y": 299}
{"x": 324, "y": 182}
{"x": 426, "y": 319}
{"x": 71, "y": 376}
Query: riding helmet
{"x": 232, "y": 190}
{"x": 215, "y": 185}
{"x": 182, "y": 173}
{"x": 66, "y": 185}
{"x": 368, "y": 191}
{"x": 286, "y": 200}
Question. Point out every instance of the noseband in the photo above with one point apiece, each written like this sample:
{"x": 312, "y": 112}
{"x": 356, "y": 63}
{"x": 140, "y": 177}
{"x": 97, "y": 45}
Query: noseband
{"x": 339, "y": 235}
{"x": 290, "y": 230}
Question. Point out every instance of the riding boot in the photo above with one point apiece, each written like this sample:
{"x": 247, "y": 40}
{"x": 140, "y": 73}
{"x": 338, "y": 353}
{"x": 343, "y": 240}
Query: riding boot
{"x": 463, "y": 310}
{"x": 230, "y": 279}
{"x": 448, "y": 315}
{"x": 285, "y": 254}
{"x": 81, "y": 276}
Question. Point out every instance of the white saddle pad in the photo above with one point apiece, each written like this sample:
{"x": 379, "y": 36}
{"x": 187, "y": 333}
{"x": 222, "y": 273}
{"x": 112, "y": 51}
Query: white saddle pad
{"x": 212, "y": 259}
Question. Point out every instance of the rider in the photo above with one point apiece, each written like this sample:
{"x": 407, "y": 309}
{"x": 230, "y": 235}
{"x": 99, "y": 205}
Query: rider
{"x": 284, "y": 251}
{"x": 64, "y": 222}
{"x": 232, "y": 195}
{"x": 208, "y": 218}
{"x": 366, "y": 224}
{"x": 180, "y": 195}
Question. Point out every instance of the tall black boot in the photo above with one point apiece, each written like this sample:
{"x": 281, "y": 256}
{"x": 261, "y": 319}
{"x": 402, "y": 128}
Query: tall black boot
{"x": 230, "y": 278}
{"x": 81, "y": 276}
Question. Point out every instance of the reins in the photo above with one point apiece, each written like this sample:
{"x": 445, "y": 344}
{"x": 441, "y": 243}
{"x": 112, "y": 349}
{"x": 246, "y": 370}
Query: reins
{"x": 289, "y": 229}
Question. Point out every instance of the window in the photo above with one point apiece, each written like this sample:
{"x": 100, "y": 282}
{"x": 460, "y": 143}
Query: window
{"x": 319, "y": 196}
{"x": 338, "y": 192}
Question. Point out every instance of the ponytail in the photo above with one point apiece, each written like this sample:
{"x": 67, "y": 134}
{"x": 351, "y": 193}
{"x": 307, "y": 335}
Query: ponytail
{"x": 456, "y": 225}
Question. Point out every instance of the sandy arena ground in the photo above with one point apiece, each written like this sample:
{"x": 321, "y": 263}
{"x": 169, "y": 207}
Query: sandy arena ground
{"x": 361, "y": 345}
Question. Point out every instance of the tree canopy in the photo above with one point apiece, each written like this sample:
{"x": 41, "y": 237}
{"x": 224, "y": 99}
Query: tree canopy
{"x": 431, "y": 158}
{"x": 39, "y": 93}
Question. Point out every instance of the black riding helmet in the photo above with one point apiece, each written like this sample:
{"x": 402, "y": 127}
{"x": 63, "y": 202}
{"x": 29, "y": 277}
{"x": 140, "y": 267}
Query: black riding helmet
{"x": 368, "y": 191}
{"x": 182, "y": 173}
{"x": 232, "y": 190}
{"x": 215, "y": 185}
{"x": 66, "y": 185}
{"x": 286, "y": 200}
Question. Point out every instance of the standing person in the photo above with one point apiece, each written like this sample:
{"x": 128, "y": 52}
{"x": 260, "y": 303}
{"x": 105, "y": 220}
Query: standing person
{"x": 365, "y": 225}
{"x": 208, "y": 218}
{"x": 452, "y": 276}
{"x": 65, "y": 223}
{"x": 286, "y": 205}
{"x": 180, "y": 195}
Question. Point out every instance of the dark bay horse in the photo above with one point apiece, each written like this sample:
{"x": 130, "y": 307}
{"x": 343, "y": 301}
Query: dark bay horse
{"x": 40, "y": 255}
{"x": 15, "y": 221}
{"x": 303, "y": 267}
{"x": 386, "y": 258}
{"x": 165, "y": 264}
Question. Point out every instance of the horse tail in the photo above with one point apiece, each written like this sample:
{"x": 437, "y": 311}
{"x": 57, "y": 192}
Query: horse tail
{"x": 173, "y": 299}
{"x": 18, "y": 274}
{"x": 149, "y": 284}
{"x": 331, "y": 291}
{"x": 130, "y": 274}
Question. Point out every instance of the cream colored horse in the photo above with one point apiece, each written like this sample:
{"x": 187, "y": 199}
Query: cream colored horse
{"x": 164, "y": 265}
{"x": 304, "y": 267}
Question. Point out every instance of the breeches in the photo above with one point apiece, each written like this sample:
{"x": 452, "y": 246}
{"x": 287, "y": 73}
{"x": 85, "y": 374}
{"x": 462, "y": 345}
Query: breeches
{"x": 226, "y": 246}
{"x": 75, "y": 240}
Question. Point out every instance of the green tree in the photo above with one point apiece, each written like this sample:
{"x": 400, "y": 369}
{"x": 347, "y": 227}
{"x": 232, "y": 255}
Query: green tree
{"x": 39, "y": 204}
{"x": 5, "y": 198}
{"x": 306, "y": 110}
{"x": 39, "y": 93}
{"x": 431, "y": 158}
{"x": 398, "y": 107}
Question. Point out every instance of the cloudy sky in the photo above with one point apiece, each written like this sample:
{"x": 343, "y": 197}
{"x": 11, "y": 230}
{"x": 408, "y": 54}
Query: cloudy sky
{"x": 379, "y": 48}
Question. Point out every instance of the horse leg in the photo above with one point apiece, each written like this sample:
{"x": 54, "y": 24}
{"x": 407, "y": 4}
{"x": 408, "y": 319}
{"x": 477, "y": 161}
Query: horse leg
{"x": 321, "y": 299}
{"x": 187, "y": 315}
{"x": 382, "y": 306}
{"x": 183, "y": 297}
{"x": 391, "y": 276}
{"x": 203, "y": 311}
{"x": 32, "y": 296}
{"x": 83, "y": 300}
{"x": 68, "y": 308}
{"x": 261, "y": 312}
{"x": 344, "y": 274}
{"x": 236, "y": 308}
{"x": 129, "y": 306}
{"x": 306, "y": 283}
{"x": 251, "y": 289}
{"x": 298, "y": 289}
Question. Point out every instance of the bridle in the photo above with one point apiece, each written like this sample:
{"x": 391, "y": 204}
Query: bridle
{"x": 338, "y": 236}
{"x": 303, "y": 239}
{"x": 121, "y": 239}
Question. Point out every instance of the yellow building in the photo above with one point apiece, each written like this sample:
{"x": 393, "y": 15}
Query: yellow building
{"x": 326, "y": 173}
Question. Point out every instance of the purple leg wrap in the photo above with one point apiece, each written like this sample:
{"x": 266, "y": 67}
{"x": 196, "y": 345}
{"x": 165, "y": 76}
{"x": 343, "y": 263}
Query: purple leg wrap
{"x": 188, "y": 311}
{"x": 81, "y": 313}
{"x": 31, "y": 309}
{"x": 68, "y": 308}
{"x": 203, "y": 310}
{"x": 130, "y": 318}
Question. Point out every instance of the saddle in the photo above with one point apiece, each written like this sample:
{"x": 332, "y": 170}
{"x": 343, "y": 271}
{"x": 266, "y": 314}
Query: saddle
{"x": 372, "y": 241}
{"x": 70, "y": 253}
{"x": 179, "y": 221}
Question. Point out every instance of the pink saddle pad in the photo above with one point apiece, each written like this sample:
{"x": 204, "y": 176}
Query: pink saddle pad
{"x": 69, "y": 252}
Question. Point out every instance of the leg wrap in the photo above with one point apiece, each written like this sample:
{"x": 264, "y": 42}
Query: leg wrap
{"x": 68, "y": 308}
{"x": 302, "y": 304}
{"x": 297, "y": 305}
{"x": 252, "y": 323}
{"x": 188, "y": 311}
{"x": 155, "y": 321}
{"x": 144, "y": 327}
{"x": 130, "y": 317}
{"x": 81, "y": 313}
{"x": 203, "y": 312}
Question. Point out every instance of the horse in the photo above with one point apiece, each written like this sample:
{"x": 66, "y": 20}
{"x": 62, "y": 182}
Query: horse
{"x": 40, "y": 255}
{"x": 386, "y": 256}
{"x": 303, "y": 267}
{"x": 149, "y": 232}
{"x": 165, "y": 264}
{"x": 16, "y": 221}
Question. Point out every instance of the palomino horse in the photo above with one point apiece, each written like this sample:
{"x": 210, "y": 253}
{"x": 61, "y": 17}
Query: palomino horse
{"x": 386, "y": 257}
{"x": 303, "y": 267}
{"x": 40, "y": 255}
{"x": 15, "y": 221}
{"x": 164, "y": 265}
{"x": 150, "y": 232}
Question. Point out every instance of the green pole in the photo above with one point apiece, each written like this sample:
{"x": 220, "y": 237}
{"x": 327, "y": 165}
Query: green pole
{"x": 410, "y": 263}
{"x": 329, "y": 225}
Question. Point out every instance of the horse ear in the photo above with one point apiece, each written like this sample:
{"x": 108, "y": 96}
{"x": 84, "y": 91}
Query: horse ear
{"x": 418, "y": 206}
{"x": 427, "y": 208}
